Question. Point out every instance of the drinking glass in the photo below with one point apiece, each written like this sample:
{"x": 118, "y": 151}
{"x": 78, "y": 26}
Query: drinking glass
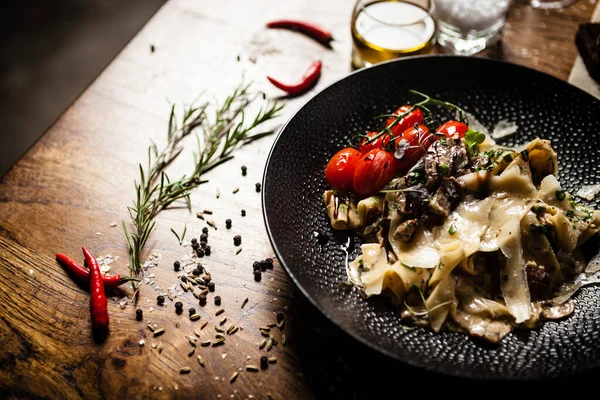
{"x": 387, "y": 29}
{"x": 466, "y": 27}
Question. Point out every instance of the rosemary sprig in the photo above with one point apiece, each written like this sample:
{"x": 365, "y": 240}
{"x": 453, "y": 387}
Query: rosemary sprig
{"x": 180, "y": 238}
{"x": 220, "y": 136}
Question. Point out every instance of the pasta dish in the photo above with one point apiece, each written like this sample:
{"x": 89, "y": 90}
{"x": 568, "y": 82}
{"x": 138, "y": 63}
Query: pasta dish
{"x": 459, "y": 232}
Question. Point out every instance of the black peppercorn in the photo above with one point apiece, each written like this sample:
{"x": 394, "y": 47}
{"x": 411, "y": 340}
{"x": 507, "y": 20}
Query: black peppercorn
{"x": 205, "y": 230}
{"x": 184, "y": 279}
{"x": 203, "y": 244}
{"x": 280, "y": 317}
{"x": 176, "y": 266}
{"x": 237, "y": 240}
{"x": 160, "y": 300}
{"x": 217, "y": 300}
{"x": 195, "y": 246}
{"x": 269, "y": 262}
{"x": 263, "y": 266}
{"x": 244, "y": 170}
{"x": 257, "y": 276}
{"x": 202, "y": 300}
{"x": 179, "y": 307}
{"x": 210, "y": 286}
{"x": 200, "y": 268}
{"x": 207, "y": 250}
{"x": 264, "y": 362}
{"x": 192, "y": 311}
{"x": 200, "y": 252}
{"x": 206, "y": 279}
{"x": 194, "y": 241}
{"x": 256, "y": 266}
{"x": 139, "y": 314}
{"x": 196, "y": 272}
{"x": 257, "y": 187}
{"x": 228, "y": 223}
{"x": 243, "y": 213}
{"x": 204, "y": 237}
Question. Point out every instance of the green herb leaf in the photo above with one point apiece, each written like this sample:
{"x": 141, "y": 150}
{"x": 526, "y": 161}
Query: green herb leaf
{"x": 560, "y": 195}
{"x": 452, "y": 229}
{"x": 539, "y": 228}
{"x": 473, "y": 138}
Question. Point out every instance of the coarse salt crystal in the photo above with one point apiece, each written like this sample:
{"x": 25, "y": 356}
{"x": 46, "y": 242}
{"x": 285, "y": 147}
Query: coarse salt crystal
{"x": 30, "y": 272}
{"x": 112, "y": 224}
{"x": 142, "y": 342}
{"x": 223, "y": 355}
{"x": 99, "y": 233}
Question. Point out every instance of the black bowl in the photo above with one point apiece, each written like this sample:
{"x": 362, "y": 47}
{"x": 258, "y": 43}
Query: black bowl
{"x": 541, "y": 105}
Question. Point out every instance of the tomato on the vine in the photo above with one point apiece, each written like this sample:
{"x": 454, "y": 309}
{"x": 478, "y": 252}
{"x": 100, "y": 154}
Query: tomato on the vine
{"x": 339, "y": 172}
{"x": 414, "y": 117}
{"x": 415, "y": 142}
{"x": 374, "y": 170}
{"x": 452, "y": 128}
{"x": 378, "y": 143}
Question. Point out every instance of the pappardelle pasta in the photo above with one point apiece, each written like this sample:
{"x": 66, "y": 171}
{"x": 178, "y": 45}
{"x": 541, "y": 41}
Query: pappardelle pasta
{"x": 459, "y": 232}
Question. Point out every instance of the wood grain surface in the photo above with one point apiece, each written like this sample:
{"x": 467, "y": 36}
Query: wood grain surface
{"x": 78, "y": 179}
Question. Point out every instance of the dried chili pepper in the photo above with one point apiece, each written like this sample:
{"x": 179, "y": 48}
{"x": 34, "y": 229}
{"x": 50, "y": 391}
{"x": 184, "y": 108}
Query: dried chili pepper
{"x": 308, "y": 80}
{"x": 98, "y": 302}
{"x": 308, "y": 28}
{"x": 83, "y": 274}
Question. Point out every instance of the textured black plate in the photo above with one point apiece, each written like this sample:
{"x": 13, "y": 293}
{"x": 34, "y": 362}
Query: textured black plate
{"x": 541, "y": 105}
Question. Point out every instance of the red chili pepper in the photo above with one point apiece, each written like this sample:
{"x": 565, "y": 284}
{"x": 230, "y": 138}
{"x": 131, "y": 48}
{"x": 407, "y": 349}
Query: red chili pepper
{"x": 308, "y": 28}
{"x": 98, "y": 302}
{"x": 308, "y": 79}
{"x": 83, "y": 274}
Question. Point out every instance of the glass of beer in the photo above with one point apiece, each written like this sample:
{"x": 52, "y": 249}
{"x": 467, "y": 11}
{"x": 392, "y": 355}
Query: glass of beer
{"x": 387, "y": 29}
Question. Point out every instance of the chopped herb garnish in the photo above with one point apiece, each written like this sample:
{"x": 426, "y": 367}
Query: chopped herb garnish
{"x": 539, "y": 228}
{"x": 443, "y": 168}
{"x": 473, "y": 138}
{"x": 452, "y": 229}
{"x": 525, "y": 155}
{"x": 560, "y": 195}
{"x": 416, "y": 177}
{"x": 508, "y": 158}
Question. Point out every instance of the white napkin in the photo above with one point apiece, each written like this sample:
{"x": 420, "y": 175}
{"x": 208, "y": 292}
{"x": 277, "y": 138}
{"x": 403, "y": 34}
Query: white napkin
{"x": 579, "y": 75}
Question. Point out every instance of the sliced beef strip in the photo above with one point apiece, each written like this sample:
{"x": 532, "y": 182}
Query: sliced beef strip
{"x": 446, "y": 197}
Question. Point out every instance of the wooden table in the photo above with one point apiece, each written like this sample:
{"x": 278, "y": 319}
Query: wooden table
{"x": 78, "y": 179}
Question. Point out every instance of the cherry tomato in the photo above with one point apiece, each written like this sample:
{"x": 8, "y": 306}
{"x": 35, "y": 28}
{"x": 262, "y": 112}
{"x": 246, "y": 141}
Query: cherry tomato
{"x": 339, "y": 172}
{"x": 451, "y": 128}
{"x": 419, "y": 141}
{"x": 374, "y": 170}
{"x": 415, "y": 117}
{"x": 379, "y": 143}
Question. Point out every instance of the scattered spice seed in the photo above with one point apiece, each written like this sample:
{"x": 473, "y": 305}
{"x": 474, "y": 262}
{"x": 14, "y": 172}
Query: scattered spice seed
{"x": 209, "y": 212}
{"x": 238, "y": 251}
{"x": 252, "y": 368}
{"x": 228, "y": 223}
{"x": 244, "y": 170}
{"x": 205, "y": 343}
{"x": 179, "y": 307}
{"x": 176, "y": 266}
{"x": 192, "y": 311}
{"x": 184, "y": 279}
{"x": 219, "y": 336}
{"x": 218, "y": 342}
{"x": 169, "y": 296}
{"x": 160, "y": 300}
{"x": 237, "y": 189}
{"x": 192, "y": 342}
{"x": 280, "y": 325}
{"x": 203, "y": 325}
{"x": 195, "y": 317}
{"x": 233, "y": 377}
{"x": 151, "y": 328}
{"x": 264, "y": 362}
{"x": 244, "y": 302}
{"x": 197, "y": 331}
{"x": 262, "y": 344}
{"x": 257, "y": 276}
{"x": 158, "y": 332}
{"x": 264, "y": 333}
{"x": 265, "y": 328}
{"x": 234, "y": 330}
{"x": 211, "y": 286}
{"x": 257, "y": 187}
{"x": 199, "y": 215}
{"x": 195, "y": 272}
{"x": 272, "y": 360}
{"x": 243, "y": 213}
{"x": 230, "y": 328}
{"x": 185, "y": 370}
{"x": 220, "y": 330}
{"x": 219, "y": 311}
{"x": 283, "y": 341}
{"x": 280, "y": 317}
{"x": 222, "y": 322}
{"x": 201, "y": 361}
{"x": 272, "y": 325}
{"x": 212, "y": 224}
{"x": 270, "y": 344}
{"x": 217, "y": 300}
{"x": 218, "y": 193}
{"x": 159, "y": 348}
{"x": 237, "y": 240}
{"x": 139, "y": 314}
{"x": 191, "y": 352}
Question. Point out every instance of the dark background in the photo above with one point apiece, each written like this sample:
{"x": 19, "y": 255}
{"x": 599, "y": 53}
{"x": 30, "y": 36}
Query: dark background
{"x": 50, "y": 51}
